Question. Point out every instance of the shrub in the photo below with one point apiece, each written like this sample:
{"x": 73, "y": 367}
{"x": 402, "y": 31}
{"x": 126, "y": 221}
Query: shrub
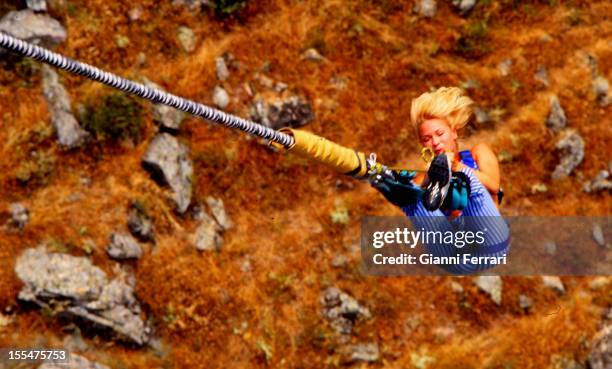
{"x": 225, "y": 8}
{"x": 473, "y": 40}
{"x": 37, "y": 168}
{"x": 114, "y": 117}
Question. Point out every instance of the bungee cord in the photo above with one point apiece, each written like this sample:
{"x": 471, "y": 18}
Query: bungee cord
{"x": 158, "y": 96}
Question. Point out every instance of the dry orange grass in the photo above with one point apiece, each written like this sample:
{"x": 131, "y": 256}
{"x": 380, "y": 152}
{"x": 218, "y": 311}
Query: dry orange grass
{"x": 207, "y": 311}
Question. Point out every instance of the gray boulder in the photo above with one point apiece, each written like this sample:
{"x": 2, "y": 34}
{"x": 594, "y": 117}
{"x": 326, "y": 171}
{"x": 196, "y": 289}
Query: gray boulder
{"x": 19, "y": 215}
{"x": 217, "y": 208}
{"x": 39, "y": 29}
{"x": 193, "y": 4}
{"x": 464, "y": 6}
{"x": 600, "y": 356}
{"x": 342, "y": 310}
{"x": 556, "y": 118}
{"x": 598, "y": 235}
{"x": 601, "y": 87}
{"x": 186, "y": 38}
{"x": 291, "y": 112}
{"x": 491, "y": 285}
{"x": 601, "y": 182}
{"x": 426, "y": 8}
{"x": 74, "y": 288}
{"x": 168, "y": 118}
{"x": 220, "y": 97}
{"x": 312, "y": 54}
{"x": 208, "y": 236}
{"x": 37, "y": 5}
{"x": 525, "y": 302}
{"x": 221, "y": 68}
{"x": 541, "y": 75}
{"x": 168, "y": 162}
{"x": 504, "y": 67}
{"x": 361, "y": 352}
{"x": 75, "y": 362}
{"x": 123, "y": 246}
{"x": 555, "y": 283}
{"x": 140, "y": 225}
{"x": 69, "y": 132}
{"x": 571, "y": 145}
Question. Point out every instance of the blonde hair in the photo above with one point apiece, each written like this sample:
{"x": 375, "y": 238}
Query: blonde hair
{"x": 448, "y": 103}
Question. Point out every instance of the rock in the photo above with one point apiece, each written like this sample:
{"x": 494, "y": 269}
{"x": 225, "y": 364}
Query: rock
{"x": 541, "y": 75}
{"x": 192, "y": 4}
{"x": 291, "y": 112}
{"x": 443, "y": 334}
{"x": 312, "y": 55}
{"x": 504, "y": 67}
{"x": 481, "y": 115}
{"x": 135, "y": 13}
{"x": 426, "y": 8}
{"x": 167, "y": 160}
{"x": 599, "y": 283}
{"x": 74, "y": 288}
{"x": 187, "y": 38}
{"x": 556, "y": 119}
{"x": 361, "y": 352}
{"x": 218, "y": 211}
{"x": 208, "y": 235}
{"x": 220, "y": 97}
{"x": 39, "y": 29}
{"x": 246, "y": 266}
{"x": 339, "y": 261}
{"x": 168, "y": 118}
{"x": 123, "y": 246}
{"x": 591, "y": 63}
{"x": 342, "y": 310}
{"x": 19, "y": 215}
{"x": 75, "y": 362}
{"x": 69, "y": 132}
{"x": 572, "y": 146}
{"x": 221, "y": 69}
{"x": 601, "y": 87}
{"x": 598, "y": 235}
{"x": 464, "y": 6}
{"x": 554, "y": 283}
{"x": 5, "y": 321}
{"x": 140, "y": 224}
{"x": 525, "y": 302}
{"x": 600, "y": 356}
{"x": 456, "y": 287}
{"x": 550, "y": 247}
{"x": 601, "y": 182}
{"x": 37, "y": 5}
{"x": 122, "y": 41}
{"x": 280, "y": 87}
{"x": 492, "y": 285}
{"x": 75, "y": 341}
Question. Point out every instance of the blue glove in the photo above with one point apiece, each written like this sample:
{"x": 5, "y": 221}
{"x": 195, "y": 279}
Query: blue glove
{"x": 400, "y": 190}
{"x": 458, "y": 193}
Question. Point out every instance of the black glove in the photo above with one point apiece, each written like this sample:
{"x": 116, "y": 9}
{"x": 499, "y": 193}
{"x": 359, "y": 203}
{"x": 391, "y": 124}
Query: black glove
{"x": 400, "y": 190}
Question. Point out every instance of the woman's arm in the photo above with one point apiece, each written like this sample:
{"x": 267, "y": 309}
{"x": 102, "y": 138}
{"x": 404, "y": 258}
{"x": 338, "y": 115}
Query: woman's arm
{"x": 488, "y": 167}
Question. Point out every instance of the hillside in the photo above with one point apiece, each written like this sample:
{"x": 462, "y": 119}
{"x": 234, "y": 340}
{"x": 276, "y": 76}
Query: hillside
{"x": 256, "y": 302}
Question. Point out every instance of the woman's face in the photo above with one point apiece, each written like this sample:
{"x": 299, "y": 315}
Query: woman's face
{"x": 438, "y": 136}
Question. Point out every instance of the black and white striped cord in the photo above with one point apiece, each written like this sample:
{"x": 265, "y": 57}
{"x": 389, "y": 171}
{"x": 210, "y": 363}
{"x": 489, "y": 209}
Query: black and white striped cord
{"x": 155, "y": 95}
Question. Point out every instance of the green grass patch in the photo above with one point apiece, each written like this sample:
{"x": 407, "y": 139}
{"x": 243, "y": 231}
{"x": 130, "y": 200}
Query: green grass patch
{"x": 114, "y": 117}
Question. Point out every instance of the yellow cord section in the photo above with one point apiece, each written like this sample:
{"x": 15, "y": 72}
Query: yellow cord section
{"x": 319, "y": 149}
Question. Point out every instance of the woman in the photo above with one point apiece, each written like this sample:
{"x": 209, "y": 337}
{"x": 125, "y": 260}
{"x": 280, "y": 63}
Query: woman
{"x": 471, "y": 174}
